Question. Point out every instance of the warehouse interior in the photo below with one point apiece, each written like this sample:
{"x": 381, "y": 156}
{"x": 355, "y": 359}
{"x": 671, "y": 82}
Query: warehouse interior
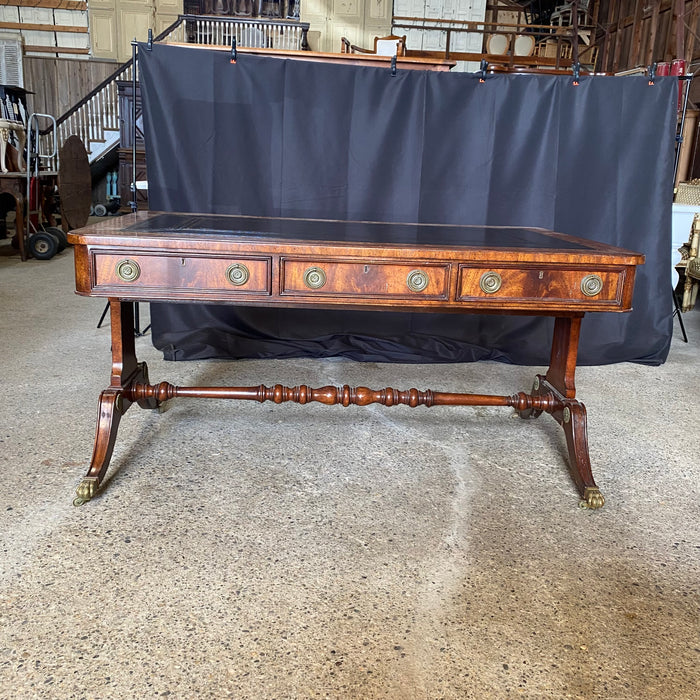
{"x": 279, "y": 550}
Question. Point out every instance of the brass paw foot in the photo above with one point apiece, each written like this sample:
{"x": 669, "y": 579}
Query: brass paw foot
{"x": 592, "y": 498}
{"x": 86, "y": 490}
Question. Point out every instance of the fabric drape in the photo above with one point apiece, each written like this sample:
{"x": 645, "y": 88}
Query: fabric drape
{"x": 277, "y": 137}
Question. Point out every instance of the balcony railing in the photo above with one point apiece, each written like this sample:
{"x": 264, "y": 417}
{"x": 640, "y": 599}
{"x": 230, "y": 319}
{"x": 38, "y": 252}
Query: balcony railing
{"x": 546, "y": 46}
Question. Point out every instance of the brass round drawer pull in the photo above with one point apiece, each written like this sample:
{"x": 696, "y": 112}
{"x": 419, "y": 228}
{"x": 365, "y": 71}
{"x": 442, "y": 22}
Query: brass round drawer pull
{"x": 128, "y": 270}
{"x": 490, "y": 282}
{"x": 591, "y": 285}
{"x": 237, "y": 274}
{"x": 314, "y": 278}
{"x": 417, "y": 280}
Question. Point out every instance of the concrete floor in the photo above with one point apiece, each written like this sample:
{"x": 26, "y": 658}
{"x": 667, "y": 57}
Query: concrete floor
{"x": 261, "y": 552}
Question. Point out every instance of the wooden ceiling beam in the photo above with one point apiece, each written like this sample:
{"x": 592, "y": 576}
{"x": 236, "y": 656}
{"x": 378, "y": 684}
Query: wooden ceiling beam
{"x": 23, "y": 26}
{"x": 55, "y": 49}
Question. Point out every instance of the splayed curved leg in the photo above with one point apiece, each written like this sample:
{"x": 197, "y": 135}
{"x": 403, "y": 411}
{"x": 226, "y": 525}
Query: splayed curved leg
{"x": 115, "y": 400}
{"x": 109, "y": 414}
{"x": 566, "y": 410}
{"x": 573, "y": 420}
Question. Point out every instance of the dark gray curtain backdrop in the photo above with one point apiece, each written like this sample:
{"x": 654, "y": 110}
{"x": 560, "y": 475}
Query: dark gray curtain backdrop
{"x": 273, "y": 137}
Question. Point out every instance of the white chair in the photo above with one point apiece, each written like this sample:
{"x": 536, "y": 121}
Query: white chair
{"x": 498, "y": 44}
{"x": 383, "y": 46}
{"x": 523, "y": 45}
{"x": 390, "y": 45}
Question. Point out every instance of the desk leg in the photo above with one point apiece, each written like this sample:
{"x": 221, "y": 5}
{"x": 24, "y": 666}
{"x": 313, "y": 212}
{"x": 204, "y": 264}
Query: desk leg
{"x": 559, "y": 385}
{"x": 116, "y": 399}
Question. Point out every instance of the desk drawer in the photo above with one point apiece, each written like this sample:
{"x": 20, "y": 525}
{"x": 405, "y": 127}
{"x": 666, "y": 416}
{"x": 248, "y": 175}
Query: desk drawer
{"x": 365, "y": 280}
{"x": 504, "y": 283}
{"x": 176, "y": 272}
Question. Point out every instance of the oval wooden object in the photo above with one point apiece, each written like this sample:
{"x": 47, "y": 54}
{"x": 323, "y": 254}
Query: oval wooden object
{"x": 74, "y": 184}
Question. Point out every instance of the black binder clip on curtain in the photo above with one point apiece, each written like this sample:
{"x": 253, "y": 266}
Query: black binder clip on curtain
{"x": 393, "y": 65}
{"x": 652, "y": 73}
{"x": 576, "y": 68}
{"x": 234, "y": 53}
{"x": 482, "y": 70}
{"x": 149, "y": 45}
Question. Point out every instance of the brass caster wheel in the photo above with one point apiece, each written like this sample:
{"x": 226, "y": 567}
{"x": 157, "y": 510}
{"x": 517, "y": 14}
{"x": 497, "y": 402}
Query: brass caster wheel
{"x": 592, "y": 499}
{"x": 86, "y": 490}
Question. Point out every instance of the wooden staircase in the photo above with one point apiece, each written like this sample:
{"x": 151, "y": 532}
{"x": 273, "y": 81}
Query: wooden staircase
{"x": 96, "y": 120}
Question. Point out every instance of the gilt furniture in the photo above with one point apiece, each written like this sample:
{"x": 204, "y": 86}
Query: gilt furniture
{"x": 155, "y": 256}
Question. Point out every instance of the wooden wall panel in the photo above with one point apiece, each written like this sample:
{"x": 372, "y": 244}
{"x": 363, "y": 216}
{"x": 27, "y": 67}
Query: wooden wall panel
{"x": 103, "y": 35}
{"x": 357, "y": 20}
{"x": 115, "y": 23}
{"x": 641, "y": 32}
{"x": 135, "y": 19}
{"x": 46, "y": 30}
{"x": 58, "y": 83}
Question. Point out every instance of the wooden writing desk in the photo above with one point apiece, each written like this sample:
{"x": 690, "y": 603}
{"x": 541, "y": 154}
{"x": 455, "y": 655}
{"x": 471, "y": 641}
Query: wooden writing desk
{"x": 152, "y": 256}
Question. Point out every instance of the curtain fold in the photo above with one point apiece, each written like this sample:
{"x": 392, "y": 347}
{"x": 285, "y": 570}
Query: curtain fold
{"x": 275, "y": 137}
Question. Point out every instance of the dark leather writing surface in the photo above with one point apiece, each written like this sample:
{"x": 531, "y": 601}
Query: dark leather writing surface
{"x": 356, "y": 231}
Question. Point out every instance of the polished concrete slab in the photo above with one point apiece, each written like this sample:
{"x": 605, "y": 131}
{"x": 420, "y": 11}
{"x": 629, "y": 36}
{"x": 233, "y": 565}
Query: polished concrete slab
{"x": 261, "y": 551}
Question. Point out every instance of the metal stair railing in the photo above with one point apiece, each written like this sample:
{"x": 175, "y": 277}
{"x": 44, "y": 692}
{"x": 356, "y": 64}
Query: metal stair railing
{"x": 98, "y": 111}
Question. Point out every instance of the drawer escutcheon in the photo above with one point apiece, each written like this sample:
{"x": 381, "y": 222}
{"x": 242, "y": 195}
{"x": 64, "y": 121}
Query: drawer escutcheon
{"x": 591, "y": 285}
{"x": 237, "y": 274}
{"x": 128, "y": 270}
{"x": 417, "y": 280}
{"x": 490, "y": 282}
{"x": 314, "y": 278}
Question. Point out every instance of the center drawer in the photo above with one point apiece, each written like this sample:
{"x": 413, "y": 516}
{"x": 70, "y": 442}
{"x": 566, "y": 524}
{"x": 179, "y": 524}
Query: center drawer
{"x": 366, "y": 280}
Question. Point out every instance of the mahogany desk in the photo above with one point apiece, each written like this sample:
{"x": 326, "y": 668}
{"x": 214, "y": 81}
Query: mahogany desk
{"x": 153, "y": 256}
